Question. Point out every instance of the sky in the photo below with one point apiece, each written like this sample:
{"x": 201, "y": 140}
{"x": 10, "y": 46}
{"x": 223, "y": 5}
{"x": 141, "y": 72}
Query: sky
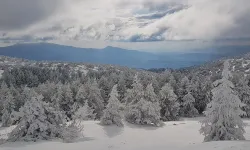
{"x": 148, "y": 25}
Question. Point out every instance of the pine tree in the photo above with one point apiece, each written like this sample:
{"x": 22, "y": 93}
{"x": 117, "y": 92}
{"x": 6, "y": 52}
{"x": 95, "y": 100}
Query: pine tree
{"x": 121, "y": 88}
{"x": 85, "y": 112}
{"x": 243, "y": 89}
{"x": 152, "y": 107}
{"x": 184, "y": 87}
{"x": 134, "y": 95}
{"x": 112, "y": 114}
{"x": 105, "y": 88}
{"x": 223, "y": 121}
{"x": 57, "y": 98}
{"x": 169, "y": 103}
{"x": 9, "y": 107}
{"x": 81, "y": 95}
{"x": 3, "y": 94}
{"x": 144, "y": 108}
{"x": 67, "y": 101}
{"x": 95, "y": 99}
{"x": 26, "y": 95}
{"x": 188, "y": 109}
{"x": 35, "y": 123}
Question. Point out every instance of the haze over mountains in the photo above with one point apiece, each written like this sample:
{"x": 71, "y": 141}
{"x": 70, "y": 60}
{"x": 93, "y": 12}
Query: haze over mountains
{"x": 119, "y": 56}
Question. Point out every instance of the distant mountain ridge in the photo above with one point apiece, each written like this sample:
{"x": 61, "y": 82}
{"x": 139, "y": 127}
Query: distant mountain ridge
{"x": 115, "y": 56}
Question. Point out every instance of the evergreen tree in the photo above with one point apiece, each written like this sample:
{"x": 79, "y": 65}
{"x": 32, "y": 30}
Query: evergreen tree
{"x": 169, "y": 103}
{"x": 26, "y": 95}
{"x": 184, "y": 87}
{"x": 95, "y": 99}
{"x": 223, "y": 121}
{"x": 4, "y": 92}
{"x": 144, "y": 108}
{"x": 135, "y": 94}
{"x": 9, "y": 107}
{"x": 81, "y": 95}
{"x": 85, "y": 112}
{"x": 112, "y": 114}
{"x": 67, "y": 101}
{"x": 243, "y": 90}
{"x": 188, "y": 109}
{"x": 105, "y": 88}
{"x": 35, "y": 123}
{"x": 121, "y": 88}
{"x": 57, "y": 98}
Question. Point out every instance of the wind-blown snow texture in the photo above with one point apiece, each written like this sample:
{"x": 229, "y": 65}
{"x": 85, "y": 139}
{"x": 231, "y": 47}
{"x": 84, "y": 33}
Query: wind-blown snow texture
{"x": 175, "y": 135}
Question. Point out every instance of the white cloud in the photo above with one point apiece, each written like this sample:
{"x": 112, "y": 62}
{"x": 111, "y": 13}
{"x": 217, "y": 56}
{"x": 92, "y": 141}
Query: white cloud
{"x": 117, "y": 20}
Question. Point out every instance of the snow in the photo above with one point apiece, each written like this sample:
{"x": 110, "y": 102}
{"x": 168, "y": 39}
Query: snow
{"x": 245, "y": 63}
{"x": 1, "y": 72}
{"x": 233, "y": 68}
{"x": 95, "y": 68}
{"x": 81, "y": 68}
{"x": 176, "y": 135}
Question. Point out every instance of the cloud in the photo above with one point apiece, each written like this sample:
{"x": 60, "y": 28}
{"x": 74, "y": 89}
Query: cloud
{"x": 19, "y": 14}
{"x": 124, "y": 20}
{"x": 202, "y": 19}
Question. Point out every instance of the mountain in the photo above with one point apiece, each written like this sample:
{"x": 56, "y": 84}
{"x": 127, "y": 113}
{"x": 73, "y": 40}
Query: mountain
{"x": 118, "y": 56}
{"x": 53, "y": 52}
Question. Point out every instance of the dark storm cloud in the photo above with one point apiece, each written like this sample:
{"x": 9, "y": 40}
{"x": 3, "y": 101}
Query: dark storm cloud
{"x": 18, "y": 14}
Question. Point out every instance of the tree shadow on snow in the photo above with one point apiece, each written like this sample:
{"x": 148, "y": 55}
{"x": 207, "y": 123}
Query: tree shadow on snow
{"x": 85, "y": 139}
{"x": 112, "y": 130}
{"x": 144, "y": 127}
{"x": 19, "y": 144}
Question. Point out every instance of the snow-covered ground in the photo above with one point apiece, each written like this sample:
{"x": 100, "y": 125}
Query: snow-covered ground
{"x": 178, "y": 135}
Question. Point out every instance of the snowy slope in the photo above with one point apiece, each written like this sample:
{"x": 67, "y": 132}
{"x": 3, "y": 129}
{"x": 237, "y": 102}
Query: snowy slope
{"x": 179, "y": 135}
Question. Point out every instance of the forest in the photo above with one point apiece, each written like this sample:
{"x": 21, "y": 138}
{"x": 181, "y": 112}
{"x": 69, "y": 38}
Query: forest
{"x": 47, "y": 100}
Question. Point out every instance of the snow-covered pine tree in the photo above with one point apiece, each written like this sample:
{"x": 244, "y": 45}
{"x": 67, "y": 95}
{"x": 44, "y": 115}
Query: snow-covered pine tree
{"x": 223, "y": 121}
{"x": 188, "y": 109}
{"x": 81, "y": 95}
{"x": 156, "y": 86}
{"x": 85, "y": 112}
{"x": 95, "y": 99}
{"x": 121, "y": 88}
{"x": 3, "y": 93}
{"x": 47, "y": 89}
{"x": 67, "y": 100}
{"x": 105, "y": 88}
{"x": 184, "y": 87}
{"x": 144, "y": 108}
{"x": 35, "y": 124}
{"x": 112, "y": 114}
{"x": 26, "y": 95}
{"x": 132, "y": 97}
{"x": 243, "y": 89}
{"x": 135, "y": 94}
{"x": 72, "y": 132}
{"x": 169, "y": 103}
{"x": 151, "y": 109}
{"x": 57, "y": 98}
{"x": 8, "y": 109}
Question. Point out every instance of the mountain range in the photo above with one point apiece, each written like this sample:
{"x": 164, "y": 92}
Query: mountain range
{"x": 119, "y": 56}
